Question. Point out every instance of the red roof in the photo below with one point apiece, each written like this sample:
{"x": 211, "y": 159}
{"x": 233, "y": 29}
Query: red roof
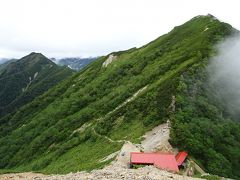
{"x": 160, "y": 160}
{"x": 181, "y": 156}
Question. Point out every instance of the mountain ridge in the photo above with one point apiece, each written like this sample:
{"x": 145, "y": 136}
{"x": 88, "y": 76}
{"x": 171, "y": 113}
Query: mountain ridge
{"x": 122, "y": 101}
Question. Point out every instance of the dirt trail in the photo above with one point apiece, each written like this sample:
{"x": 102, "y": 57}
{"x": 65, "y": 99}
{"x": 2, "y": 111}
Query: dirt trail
{"x": 157, "y": 139}
{"x": 108, "y": 138}
{"x": 126, "y": 101}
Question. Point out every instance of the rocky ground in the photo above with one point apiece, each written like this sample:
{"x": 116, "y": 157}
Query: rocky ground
{"x": 157, "y": 139}
{"x": 110, "y": 173}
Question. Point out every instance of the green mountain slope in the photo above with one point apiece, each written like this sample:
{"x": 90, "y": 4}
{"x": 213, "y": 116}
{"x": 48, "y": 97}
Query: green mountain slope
{"x": 122, "y": 96}
{"x": 23, "y": 80}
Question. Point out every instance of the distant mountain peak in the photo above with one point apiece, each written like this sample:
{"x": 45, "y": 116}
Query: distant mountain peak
{"x": 34, "y": 57}
{"x": 20, "y": 75}
{"x": 206, "y": 16}
{"x": 75, "y": 63}
{"x": 210, "y": 15}
{"x": 34, "y": 54}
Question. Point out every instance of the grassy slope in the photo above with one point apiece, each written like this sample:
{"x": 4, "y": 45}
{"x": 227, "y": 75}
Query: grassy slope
{"x": 45, "y": 138}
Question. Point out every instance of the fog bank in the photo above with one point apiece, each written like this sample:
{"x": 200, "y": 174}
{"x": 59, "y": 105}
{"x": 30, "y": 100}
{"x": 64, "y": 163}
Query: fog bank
{"x": 224, "y": 71}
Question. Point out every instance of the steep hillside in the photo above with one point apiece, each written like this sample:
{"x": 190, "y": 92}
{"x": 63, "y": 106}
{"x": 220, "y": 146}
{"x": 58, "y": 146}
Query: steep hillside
{"x": 23, "y": 80}
{"x": 120, "y": 97}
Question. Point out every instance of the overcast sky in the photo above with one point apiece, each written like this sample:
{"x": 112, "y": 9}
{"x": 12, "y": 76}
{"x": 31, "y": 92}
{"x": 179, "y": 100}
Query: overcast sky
{"x": 70, "y": 28}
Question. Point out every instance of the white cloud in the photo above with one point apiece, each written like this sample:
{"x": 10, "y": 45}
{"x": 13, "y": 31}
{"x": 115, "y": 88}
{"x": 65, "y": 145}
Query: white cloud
{"x": 224, "y": 74}
{"x": 95, "y": 27}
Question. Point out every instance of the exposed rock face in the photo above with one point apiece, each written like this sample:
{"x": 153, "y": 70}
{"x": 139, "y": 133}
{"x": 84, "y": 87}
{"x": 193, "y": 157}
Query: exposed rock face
{"x": 109, "y": 60}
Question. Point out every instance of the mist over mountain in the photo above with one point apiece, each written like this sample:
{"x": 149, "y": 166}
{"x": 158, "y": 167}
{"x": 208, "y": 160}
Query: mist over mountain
{"x": 224, "y": 70}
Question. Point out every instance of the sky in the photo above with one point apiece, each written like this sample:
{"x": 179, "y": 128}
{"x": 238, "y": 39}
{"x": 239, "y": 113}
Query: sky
{"x": 83, "y": 28}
